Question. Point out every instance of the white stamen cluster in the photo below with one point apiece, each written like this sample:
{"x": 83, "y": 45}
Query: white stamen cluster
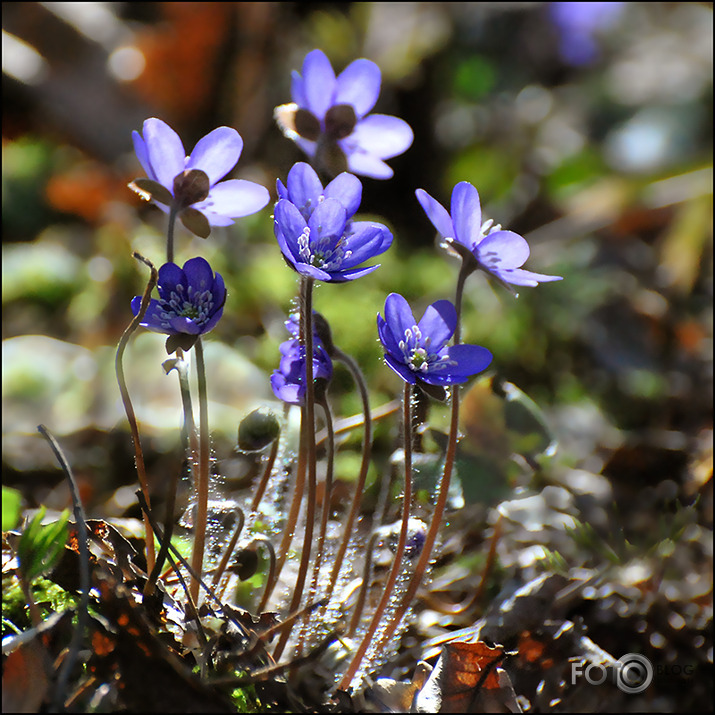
{"x": 321, "y": 254}
{"x": 194, "y": 305}
{"x": 418, "y": 356}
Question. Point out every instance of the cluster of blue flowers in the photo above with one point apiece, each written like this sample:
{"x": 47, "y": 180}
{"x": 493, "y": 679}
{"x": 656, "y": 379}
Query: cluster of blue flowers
{"x": 315, "y": 227}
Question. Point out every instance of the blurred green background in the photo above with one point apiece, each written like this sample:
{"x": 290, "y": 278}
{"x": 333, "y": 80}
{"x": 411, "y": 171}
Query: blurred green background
{"x": 599, "y": 154}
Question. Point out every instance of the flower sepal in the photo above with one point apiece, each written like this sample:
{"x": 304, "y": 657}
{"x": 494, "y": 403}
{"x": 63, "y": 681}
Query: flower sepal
{"x": 436, "y": 392}
{"x": 180, "y": 340}
{"x": 195, "y": 222}
{"x": 151, "y": 190}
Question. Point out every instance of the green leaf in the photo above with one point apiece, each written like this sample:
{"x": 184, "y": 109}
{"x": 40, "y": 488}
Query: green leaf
{"x": 11, "y": 508}
{"x": 41, "y": 545}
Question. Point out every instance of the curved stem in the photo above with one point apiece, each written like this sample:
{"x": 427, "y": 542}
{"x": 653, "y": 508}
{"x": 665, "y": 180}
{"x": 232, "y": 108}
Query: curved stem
{"x": 202, "y": 486}
{"x": 431, "y": 536}
{"x": 397, "y": 564}
{"x": 308, "y": 419}
{"x": 128, "y": 407}
{"x": 350, "y": 363}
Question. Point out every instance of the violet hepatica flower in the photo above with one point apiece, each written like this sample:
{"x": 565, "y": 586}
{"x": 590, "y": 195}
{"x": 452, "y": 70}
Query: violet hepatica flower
{"x": 191, "y": 185}
{"x": 288, "y": 381}
{"x": 330, "y": 118}
{"x": 191, "y": 301}
{"x": 418, "y": 352}
{"x": 316, "y": 233}
{"x": 499, "y": 252}
{"x": 305, "y": 191}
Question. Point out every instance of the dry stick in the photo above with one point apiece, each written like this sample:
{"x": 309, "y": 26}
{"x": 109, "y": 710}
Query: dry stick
{"x": 308, "y": 413}
{"x": 346, "y": 424}
{"x": 202, "y": 488}
{"x": 83, "y": 612}
{"x": 324, "y": 516}
{"x": 364, "y": 466}
{"x": 129, "y": 409}
{"x": 431, "y": 536}
{"x": 289, "y": 530}
{"x": 397, "y": 564}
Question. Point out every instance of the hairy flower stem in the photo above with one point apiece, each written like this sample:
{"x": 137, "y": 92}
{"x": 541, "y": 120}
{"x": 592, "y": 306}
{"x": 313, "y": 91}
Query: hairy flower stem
{"x": 397, "y": 564}
{"x": 129, "y": 409}
{"x": 202, "y": 483}
{"x": 268, "y": 469}
{"x": 324, "y": 516}
{"x": 289, "y": 530}
{"x": 350, "y": 363}
{"x": 436, "y": 522}
{"x": 170, "y": 235}
{"x": 364, "y": 586}
{"x": 308, "y": 420}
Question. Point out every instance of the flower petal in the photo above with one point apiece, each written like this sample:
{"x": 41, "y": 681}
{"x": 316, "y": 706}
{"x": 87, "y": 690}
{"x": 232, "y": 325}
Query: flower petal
{"x": 305, "y": 269}
{"x": 328, "y": 220}
{"x": 466, "y": 214}
{"x": 235, "y": 198}
{"x": 304, "y": 188}
{"x": 291, "y": 223}
{"x": 386, "y": 337}
{"x": 401, "y": 369}
{"x": 366, "y": 241}
{"x": 436, "y": 213}
{"x": 359, "y": 162}
{"x": 382, "y": 135}
{"x": 284, "y": 390}
{"x": 182, "y": 324}
{"x": 216, "y": 153}
{"x": 152, "y": 319}
{"x": 297, "y": 89}
{"x": 470, "y": 360}
{"x": 142, "y": 154}
{"x": 351, "y": 274}
{"x": 199, "y": 274}
{"x": 359, "y": 84}
{"x": 398, "y": 316}
{"x": 165, "y": 151}
{"x": 520, "y": 277}
{"x": 503, "y": 250}
{"x": 170, "y": 276}
{"x": 438, "y": 324}
{"x": 318, "y": 83}
{"x": 347, "y": 189}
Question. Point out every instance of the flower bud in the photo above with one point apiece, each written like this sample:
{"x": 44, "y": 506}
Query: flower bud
{"x": 257, "y": 430}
